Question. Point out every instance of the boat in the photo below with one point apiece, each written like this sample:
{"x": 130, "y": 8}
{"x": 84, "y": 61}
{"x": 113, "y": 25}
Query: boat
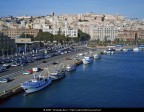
{"x": 97, "y": 56}
{"x": 110, "y": 51}
{"x": 87, "y": 60}
{"x": 58, "y": 72}
{"x": 124, "y": 50}
{"x": 70, "y": 67}
{"x": 141, "y": 47}
{"x": 37, "y": 82}
{"x": 129, "y": 49}
{"x": 136, "y": 49}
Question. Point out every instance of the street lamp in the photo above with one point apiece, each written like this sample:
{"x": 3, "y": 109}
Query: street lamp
{"x": 25, "y": 41}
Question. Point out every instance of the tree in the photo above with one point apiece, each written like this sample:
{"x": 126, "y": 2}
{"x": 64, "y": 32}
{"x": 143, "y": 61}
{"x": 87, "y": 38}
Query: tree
{"x": 83, "y": 36}
{"x": 116, "y": 41}
{"x": 26, "y": 36}
{"x": 44, "y": 36}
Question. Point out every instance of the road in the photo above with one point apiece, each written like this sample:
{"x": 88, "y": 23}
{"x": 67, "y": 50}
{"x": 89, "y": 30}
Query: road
{"x": 14, "y": 71}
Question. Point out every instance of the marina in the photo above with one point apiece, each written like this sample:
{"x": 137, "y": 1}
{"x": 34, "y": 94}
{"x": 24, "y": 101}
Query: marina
{"x": 71, "y": 56}
{"x": 112, "y": 81}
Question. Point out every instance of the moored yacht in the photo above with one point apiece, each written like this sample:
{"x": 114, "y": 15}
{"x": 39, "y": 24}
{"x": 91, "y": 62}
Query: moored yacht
{"x": 110, "y": 51}
{"x": 70, "y": 67}
{"x": 87, "y": 60}
{"x": 136, "y": 49}
{"x": 97, "y": 56}
{"x": 124, "y": 50}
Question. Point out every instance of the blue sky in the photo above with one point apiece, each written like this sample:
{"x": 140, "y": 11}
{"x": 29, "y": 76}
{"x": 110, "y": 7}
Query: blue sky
{"x": 128, "y": 8}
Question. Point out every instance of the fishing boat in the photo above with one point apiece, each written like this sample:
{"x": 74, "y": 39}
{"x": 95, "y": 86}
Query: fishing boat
{"x": 110, "y": 51}
{"x": 97, "y": 56}
{"x": 37, "y": 82}
{"x": 70, "y": 67}
{"x": 87, "y": 60}
{"x": 124, "y": 50}
{"x": 136, "y": 49}
{"x": 57, "y": 73}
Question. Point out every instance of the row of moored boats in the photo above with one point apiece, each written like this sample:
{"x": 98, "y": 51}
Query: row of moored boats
{"x": 45, "y": 78}
{"x": 89, "y": 59}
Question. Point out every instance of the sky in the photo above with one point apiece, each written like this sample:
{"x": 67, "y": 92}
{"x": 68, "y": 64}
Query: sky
{"x": 127, "y": 8}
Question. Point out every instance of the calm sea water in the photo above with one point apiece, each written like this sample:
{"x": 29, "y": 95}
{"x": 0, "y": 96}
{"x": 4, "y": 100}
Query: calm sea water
{"x": 114, "y": 81}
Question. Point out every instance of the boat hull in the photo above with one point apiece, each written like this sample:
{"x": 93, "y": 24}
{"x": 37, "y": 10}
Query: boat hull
{"x": 136, "y": 49}
{"x": 31, "y": 89}
{"x": 97, "y": 56}
{"x": 87, "y": 61}
{"x": 56, "y": 77}
{"x": 68, "y": 69}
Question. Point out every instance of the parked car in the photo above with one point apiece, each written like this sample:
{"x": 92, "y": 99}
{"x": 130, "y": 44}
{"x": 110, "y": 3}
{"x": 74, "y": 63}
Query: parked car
{"x": 44, "y": 61}
{"x": 54, "y": 63}
{"x": 4, "y": 80}
{"x": 30, "y": 71}
{"x": 7, "y": 65}
{"x": 2, "y": 69}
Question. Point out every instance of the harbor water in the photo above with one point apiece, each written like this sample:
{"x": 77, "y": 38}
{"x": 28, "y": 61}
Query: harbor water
{"x": 114, "y": 81}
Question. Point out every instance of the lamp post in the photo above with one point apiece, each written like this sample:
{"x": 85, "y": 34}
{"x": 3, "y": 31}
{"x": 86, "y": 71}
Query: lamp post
{"x": 25, "y": 41}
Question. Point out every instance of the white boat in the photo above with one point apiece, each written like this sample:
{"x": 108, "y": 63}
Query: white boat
{"x": 56, "y": 74}
{"x": 70, "y": 67}
{"x": 118, "y": 48}
{"x": 87, "y": 60}
{"x": 124, "y": 50}
{"x": 136, "y": 49}
{"x": 97, "y": 56}
{"x": 110, "y": 51}
{"x": 37, "y": 83}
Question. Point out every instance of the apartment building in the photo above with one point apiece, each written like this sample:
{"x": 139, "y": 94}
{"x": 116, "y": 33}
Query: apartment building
{"x": 14, "y": 33}
{"x": 131, "y": 34}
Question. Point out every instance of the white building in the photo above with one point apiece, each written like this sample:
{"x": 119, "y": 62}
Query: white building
{"x": 66, "y": 32}
{"x": 110, "y": 33}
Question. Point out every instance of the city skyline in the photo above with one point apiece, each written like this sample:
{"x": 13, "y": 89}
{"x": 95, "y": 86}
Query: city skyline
{"x": 128, "y": 8}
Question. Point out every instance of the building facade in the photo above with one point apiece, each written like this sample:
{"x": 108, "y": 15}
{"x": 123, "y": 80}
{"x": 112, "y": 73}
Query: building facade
{"x": 127, "y": 34}
{"x": 14, "y": 33}
{"x": 66, "y": 32}
{"x": 102, "y": 33}
{"x": 7, "y": 45}
{"x": 131, "y": 34}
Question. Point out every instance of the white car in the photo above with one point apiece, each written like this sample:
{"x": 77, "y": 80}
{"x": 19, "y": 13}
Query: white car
{"x": 26, "y": 73}
{"x": 4, "y": 80}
